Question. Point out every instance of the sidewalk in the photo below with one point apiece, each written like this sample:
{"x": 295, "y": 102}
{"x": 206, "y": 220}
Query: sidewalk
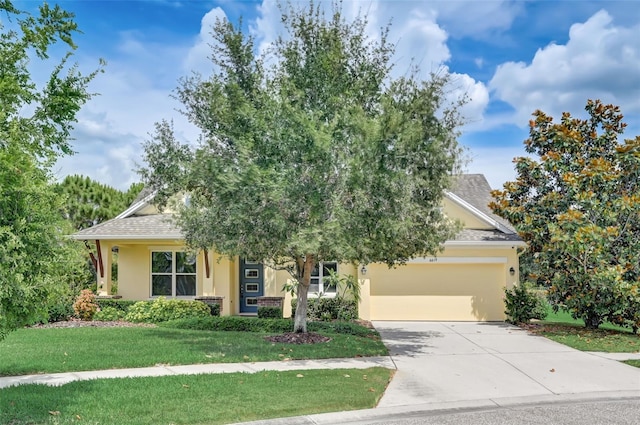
{"x": 55, "y": 379}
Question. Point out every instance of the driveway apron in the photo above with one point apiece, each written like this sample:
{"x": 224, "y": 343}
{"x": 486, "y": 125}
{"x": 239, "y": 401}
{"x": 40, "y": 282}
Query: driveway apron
{"x": 461, "y": 361}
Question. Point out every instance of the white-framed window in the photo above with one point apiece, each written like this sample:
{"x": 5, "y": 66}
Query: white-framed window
{"x": 320, "y": 276}
{"x": 173, "y": 274}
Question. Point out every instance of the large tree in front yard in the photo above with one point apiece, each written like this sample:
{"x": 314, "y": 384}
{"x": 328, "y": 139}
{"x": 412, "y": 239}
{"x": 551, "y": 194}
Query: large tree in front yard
{"x": 36, "y": 258}
{"x": 577, "y": 204}
{"x": 321, "y": 156}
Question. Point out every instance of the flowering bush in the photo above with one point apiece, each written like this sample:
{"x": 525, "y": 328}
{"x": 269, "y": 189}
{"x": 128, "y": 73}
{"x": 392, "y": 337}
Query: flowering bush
{"x": 85, "y": 306}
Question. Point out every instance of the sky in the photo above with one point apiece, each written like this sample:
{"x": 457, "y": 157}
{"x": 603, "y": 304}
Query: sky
{"x": 510, "y": 58}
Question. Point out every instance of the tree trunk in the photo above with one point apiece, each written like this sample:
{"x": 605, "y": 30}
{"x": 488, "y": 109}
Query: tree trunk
{"x": 592, "y": 321}
{"x": 304, "y": 279}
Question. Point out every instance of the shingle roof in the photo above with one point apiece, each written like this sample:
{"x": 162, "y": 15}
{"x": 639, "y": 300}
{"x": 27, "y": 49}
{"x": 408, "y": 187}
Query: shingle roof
{"x": 155, "y": 226}
{"x": 472, "y": 188}
{"x": 480, "y": 235}
{"x": 475, "y": 189}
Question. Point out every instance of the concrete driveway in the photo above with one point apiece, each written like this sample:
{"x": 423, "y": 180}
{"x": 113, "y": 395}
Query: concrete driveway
{"x": 459, "y": 362}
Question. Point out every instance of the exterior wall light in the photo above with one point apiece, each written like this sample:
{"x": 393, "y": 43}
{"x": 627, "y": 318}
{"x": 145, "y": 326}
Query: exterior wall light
{"x": 363, "y": 269}
{"x": 512, "y": 271}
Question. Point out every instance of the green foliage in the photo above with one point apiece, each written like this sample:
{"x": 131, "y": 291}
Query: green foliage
{"x": 85, "y": 305}
{"x": 522, "y": 303}
{"x": 247, "y": 324}
{"x": 109, "y": 314}
{"x": 162, "y": 309}
{"x": 88, "y": 202}
{"x": 60, "y": 304}
{"x": 577, "y": 204}
{"x": 329, "y": 308}
{"x": 269, "y": 312}
{"x": 122, "y": 305}
{"x": 35, "y": 123}
{"x": 332, "y": 157}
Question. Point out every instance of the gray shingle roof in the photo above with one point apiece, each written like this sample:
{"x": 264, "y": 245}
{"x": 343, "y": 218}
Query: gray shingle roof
{"x": 475, "y": 189}
{"x": 472, "y": 188}
{"x": 480, "y": 235}
{"x": 156, "y": 226}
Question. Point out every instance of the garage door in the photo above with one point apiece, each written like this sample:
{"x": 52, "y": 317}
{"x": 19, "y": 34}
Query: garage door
{"x": 457, "y": 292}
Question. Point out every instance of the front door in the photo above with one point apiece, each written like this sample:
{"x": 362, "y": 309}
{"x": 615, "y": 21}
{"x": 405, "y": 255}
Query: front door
{"x": 251, "y": 285}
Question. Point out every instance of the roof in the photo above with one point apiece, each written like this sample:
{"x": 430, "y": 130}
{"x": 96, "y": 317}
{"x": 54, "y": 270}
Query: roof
{"x": 471, "y": 191}
{"x": 155, "y": 226}
{"x": 474, "y": 189}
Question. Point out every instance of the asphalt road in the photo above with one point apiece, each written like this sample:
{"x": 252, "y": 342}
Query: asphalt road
{"x": 624, "y": 412}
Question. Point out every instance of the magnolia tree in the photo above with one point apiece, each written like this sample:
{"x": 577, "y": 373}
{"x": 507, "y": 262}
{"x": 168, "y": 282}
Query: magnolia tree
{"x": 36, "y": 259}
{"x": 577, "y": 204}
{"x": 321, "y": 156}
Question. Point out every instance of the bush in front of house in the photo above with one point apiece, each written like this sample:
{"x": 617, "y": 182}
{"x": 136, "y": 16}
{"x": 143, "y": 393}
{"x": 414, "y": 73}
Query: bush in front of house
{"x": 247, "y": 324}
{"x": 329, "y": 308}
{"x": 118, "y": 304}
{"x": 85, "y": 305}
{"x": 109, "y": 314}
{"x": 214, "y": 309}
{"x": 523, "y": 303}
{"x": 269, "y": 313}
{"x": 60, "y": 307}
{"x": 162, "y": 310}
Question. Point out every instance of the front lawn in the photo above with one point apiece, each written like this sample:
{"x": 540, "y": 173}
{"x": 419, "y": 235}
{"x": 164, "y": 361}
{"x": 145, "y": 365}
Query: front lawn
{"x": 50, "y": 350}
{"x": 200, "y": 399}
{"x": 562, "y": 328}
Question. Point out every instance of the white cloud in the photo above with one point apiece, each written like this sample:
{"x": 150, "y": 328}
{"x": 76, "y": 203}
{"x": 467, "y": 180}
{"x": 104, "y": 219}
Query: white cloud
{"x": 599, "y": 61}
{"x": 198, "y": 58}
{"x": 478, "y": 19}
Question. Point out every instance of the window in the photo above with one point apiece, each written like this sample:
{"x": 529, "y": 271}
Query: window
{"x": 320, "y": 276}
{"x": 173, "y": 274}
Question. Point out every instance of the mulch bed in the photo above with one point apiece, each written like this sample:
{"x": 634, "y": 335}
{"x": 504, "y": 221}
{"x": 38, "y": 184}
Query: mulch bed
{"x": 298, "y": 338}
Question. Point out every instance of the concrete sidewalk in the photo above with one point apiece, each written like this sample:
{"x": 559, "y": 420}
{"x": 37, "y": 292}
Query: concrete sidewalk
{"x": 55, "y": 379}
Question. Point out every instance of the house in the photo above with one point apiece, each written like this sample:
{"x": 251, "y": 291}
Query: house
{"x": 465, "y": 282}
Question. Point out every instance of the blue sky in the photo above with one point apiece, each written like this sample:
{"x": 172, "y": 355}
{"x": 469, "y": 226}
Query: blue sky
{"x": 510, "y": 57}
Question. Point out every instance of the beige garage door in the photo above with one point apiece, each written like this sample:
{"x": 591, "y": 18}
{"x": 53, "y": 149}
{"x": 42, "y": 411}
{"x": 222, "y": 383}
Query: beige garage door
{"x": 457, "y": 292}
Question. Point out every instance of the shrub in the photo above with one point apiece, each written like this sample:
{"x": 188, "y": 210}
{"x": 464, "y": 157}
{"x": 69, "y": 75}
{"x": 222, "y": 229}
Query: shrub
{"x": 522, "y": 304}
{"x": 246, "y": 324}
{"x": 118, "y": 304}
{"x": 60, "y": 307}
{"x": 214, "y": 309}
{"x": 162, "y": 310}
{"x": 85, "y": 306}
{"x": 269, "y": 313}
{"x": 109, "y": 314}
{"x": 327, "y": 309}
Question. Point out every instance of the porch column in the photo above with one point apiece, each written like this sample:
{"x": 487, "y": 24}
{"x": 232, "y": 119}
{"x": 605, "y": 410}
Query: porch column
{"x": 222, "y": 269}
{"x": 207, "y": 273}
{"x": 103, "y": 271}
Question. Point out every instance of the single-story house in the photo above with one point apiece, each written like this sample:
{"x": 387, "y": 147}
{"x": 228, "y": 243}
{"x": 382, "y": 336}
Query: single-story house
{"x": 463, "y": 283}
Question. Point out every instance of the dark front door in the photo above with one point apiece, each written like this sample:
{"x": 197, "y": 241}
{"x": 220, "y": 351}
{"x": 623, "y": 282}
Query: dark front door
{"x": 251, "y": 285}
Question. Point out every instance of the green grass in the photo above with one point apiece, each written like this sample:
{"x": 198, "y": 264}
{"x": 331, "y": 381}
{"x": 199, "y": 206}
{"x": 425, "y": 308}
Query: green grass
{"x": 562, "y": 328}
{"x": 201, "y": 399}
{"x": 565, "y": 318}
{"x": 50, "y": 350}
{"x": 635, "y": 363}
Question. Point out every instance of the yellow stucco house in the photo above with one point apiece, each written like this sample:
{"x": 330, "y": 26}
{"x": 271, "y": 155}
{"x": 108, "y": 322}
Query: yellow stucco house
{"x": 463, "y": 283}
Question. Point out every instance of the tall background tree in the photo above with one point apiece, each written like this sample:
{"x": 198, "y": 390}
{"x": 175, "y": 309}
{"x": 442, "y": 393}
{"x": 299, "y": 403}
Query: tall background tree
{"x": 322, "y": 156}
{"x": 89, "y": 202}
{"x": 577, "y": 204}
{"x": 36, "y": 258}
